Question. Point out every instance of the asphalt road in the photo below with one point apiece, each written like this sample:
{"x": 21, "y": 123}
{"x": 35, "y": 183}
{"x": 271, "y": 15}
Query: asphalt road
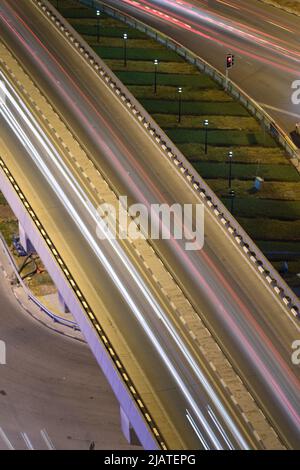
{"x": 177, "y": 400}
{"x": 264, "y": 39}
{"x": 52, "y": 393}
{"x": 249, "y": 323}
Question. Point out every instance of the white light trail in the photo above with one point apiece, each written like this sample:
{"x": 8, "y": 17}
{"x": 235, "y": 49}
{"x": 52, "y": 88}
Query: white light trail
{"x": 197, "y": 430}
{"x": 219, "y": 427}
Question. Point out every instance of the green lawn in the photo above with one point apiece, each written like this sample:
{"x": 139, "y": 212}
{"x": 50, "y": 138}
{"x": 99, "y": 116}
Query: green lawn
{"x": 169, "y": 92}
{"x": 245, "y": 171}
{"x": 78, "y": 11}
{"x": 221, "y": 137}
{"x": 104, "y": 22}
{"x": 272, "y": 229}
{"x": 281, "y": 248}
{"x": 164, "y": 67}
{"x": 131, "y": 44}
{"x": 168, "y": 79}
{"x": 106, "y": 31}
{"x": 254, "y": 155}
{"x": 168, "y": 121}
{"x": 285, "y": 191}
{"x": 265, "y": 208}
{"x": 107, "y": 52}
{"x": 201, "y": 108}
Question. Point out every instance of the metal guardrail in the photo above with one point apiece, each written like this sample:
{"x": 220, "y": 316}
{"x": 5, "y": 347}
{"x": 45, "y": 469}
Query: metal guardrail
{"x": 247, "y": 247}
{"x": 55, "y": 318}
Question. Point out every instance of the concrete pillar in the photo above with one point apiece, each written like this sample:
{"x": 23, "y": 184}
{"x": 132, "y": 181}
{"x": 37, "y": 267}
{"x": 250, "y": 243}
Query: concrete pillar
{"x": 63, "y": 304}
{"x": 128, "y": 430}
{"x": 25, "y": 241}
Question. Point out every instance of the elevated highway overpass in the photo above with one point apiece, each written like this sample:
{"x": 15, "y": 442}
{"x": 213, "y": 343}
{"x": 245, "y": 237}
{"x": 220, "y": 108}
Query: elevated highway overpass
{"x": 217, "y": 291}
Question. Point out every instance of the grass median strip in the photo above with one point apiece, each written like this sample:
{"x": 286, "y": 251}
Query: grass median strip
{"x": 270, "y": 191}
{"x": 169, "y": 79}
{"x": 283, "y": 210}
{"x": 146, "y": 66}
{"x": 133, "y": 53}
{"x": 222, "y": 137}
{"x": 241, "y": 123}
{"x": 245, "y": 171}
{"x": 270, "y": 229}
{"x": 200, "y": 108}
{"x": 255, "y": 155}
{"x": 107, "y": 31}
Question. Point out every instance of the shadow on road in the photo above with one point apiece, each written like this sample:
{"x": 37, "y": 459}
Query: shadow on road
{"x": 295, "y": 138}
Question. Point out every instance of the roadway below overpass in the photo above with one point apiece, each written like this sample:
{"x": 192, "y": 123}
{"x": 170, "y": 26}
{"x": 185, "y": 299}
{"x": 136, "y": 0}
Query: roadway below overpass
{"x": 242, "y": 313}
{"x": 264, "y": 39}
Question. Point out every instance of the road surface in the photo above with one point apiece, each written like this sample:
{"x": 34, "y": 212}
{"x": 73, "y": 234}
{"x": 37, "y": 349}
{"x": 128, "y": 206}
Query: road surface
{"x": 249, "y": 323}
{"x": 52, "y": 394}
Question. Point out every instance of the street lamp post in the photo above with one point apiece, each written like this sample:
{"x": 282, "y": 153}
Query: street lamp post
{"x": 232, "y": 196}
{"x": 179, "y": 103}
{"x": 230, "y": 156}
{"x": 125, "y": 37}
{"x": 98, "y": 25}
{"x": 206, "y": 136}
{"x": 155, "y": 75}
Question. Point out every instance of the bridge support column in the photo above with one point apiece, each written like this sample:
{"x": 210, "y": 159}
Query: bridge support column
{"x": 25, "y": 240}
{"x": 128, "y": 430}
{"x": 62, "y": 303}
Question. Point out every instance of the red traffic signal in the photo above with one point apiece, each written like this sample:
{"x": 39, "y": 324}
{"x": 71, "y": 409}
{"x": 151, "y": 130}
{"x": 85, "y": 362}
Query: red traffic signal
{"x": 229, "y": 61}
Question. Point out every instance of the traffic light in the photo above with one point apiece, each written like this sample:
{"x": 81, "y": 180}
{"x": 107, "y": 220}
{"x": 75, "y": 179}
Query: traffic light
{"x": 229, "y": 61}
